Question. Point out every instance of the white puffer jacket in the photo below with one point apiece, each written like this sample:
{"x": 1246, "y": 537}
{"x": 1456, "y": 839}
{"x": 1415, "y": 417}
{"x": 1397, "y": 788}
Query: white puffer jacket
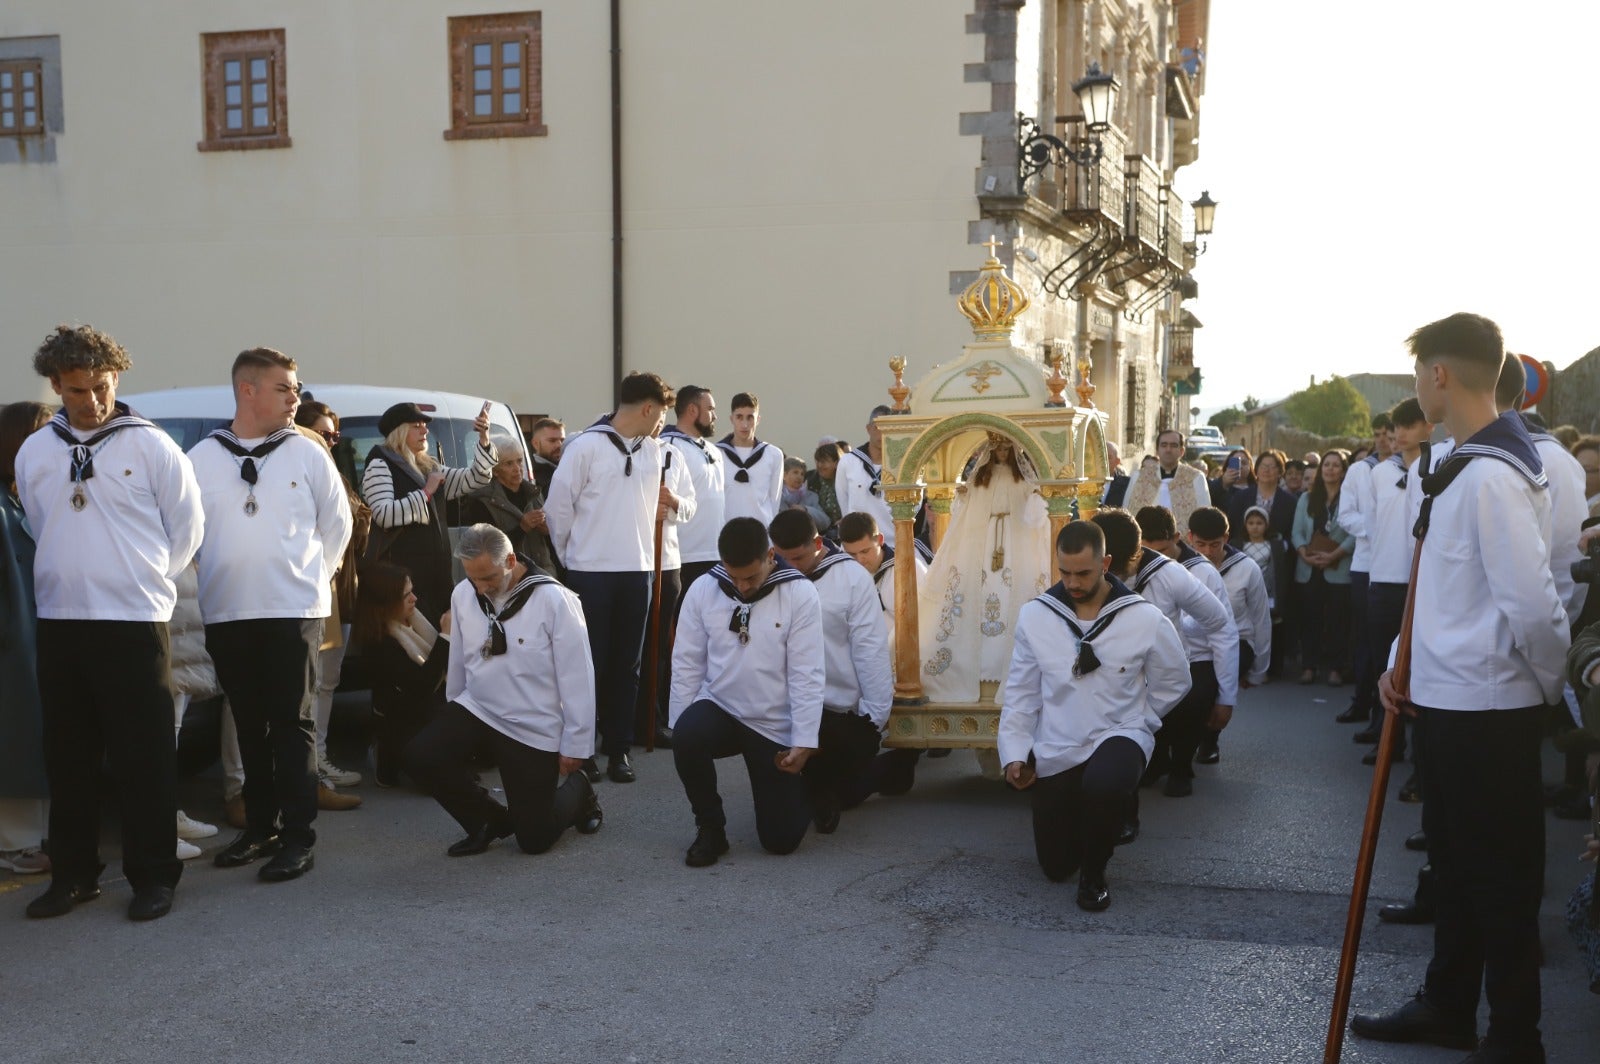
{"x": 192, "y": 671}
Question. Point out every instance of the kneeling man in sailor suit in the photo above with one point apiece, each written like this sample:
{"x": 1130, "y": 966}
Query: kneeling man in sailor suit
{"x": 1094, "y": 670}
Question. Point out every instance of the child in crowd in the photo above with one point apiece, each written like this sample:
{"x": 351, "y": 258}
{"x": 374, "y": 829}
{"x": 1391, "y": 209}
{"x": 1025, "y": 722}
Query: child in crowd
{"x": 796, "y": 496}
{"x": 821, "y": 481}
{"x": 1266, "y": 550}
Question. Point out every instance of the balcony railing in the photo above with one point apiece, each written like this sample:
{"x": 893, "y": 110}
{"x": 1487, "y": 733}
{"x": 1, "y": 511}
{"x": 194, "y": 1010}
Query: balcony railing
{"x": 1097, "y": 191}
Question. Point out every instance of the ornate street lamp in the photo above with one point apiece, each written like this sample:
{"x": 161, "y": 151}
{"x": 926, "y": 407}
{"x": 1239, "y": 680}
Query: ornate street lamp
{"x": 1097, "y": 98}
{"x": 1205, "y": 214}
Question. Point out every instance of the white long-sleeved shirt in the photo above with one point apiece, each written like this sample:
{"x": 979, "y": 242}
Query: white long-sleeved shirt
{"x": 1490, "y": 631}
{"x": 602, "y": 519}
{"x": 119, "y": 557}
{"x": 706, "y": 468}
{"x": 1355, "y": 509}
{"x": 279, "y": 561}
{"x": 681, "y": 484}
{"x": 887, "y": 579}
{"x": 859, "y": 490}
{"x": 394, "y": 506}
{"x": 774, "y": 683}
{"x": 1183, "y": 598}
{"x": 1390, "y": 522}
{"x": 1199, "y": 639}
{"x": 855, "y": 647}
{"x": 758, "y": 496}
{"x": 1568, "y": 510}
{"x": 540, "y": 692}
{"x": 1252, "y": 615}
{"x": 1063, "y": 718}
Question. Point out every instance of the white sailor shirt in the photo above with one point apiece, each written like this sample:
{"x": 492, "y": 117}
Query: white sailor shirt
{"x": 887, "y": 579}
{"x": 280, "y": 560}
{"x": 1355, "y": 511}
{"x": 1198, "y": 638}
{"x": 601, "y": 510}
{"x": 1390, "y": 522}
{"x": 1252, "y": 615}
{"x": 1568, "y": 510}
{"x": 540, "y": 692}
{"x": 773, "y": 684}
{"x": 1061, "y": 717}
{"x": 706, "y": 469}
{"x": 1182, "y": 598}
{"x": 680, "y": 484}
{"x": 758, "y": 494}
{"x": 140, "y": 525}
{"x": 854, "y": 645}
{"x": 860, "y": 490}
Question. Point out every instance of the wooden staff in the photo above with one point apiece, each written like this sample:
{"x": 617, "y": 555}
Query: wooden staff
{"x": 652, "y": 639}
{"x": 1401, "y": 682}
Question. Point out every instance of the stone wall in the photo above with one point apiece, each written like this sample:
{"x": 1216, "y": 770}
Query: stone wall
{"x": 1574, "y": 397}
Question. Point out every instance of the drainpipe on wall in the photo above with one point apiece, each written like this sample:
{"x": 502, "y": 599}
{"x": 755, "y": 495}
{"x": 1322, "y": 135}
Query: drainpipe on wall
{"x": 616, "y": 198}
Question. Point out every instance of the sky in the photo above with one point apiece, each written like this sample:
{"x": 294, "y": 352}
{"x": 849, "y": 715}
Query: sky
{"x": 1379, "y": 164}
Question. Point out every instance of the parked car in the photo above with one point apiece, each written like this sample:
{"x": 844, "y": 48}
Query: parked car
{"x": 1206, "y": 441}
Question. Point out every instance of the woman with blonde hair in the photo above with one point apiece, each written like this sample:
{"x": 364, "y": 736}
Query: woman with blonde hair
{"x": 407, "y": 489}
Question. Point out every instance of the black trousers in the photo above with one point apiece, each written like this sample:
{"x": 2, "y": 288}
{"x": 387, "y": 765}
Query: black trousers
{"x": 671, "y": 594}
{"x": 1078, "y": 813}
{"x": 616, "y": 607}
{"x": 268, "y": 670}
{"x": 846, "y": 745}
{"x": 1363, "y": 668}
{"x": 1184, "y": 726}
{"x": 705, "y": 732}
{"x": 1483, "y": 812}
{"x": 1325, "y": 624}
{"x": 106, "y": 692}
{"x": 1386, "y": 607}
{"x": 537, "y": 811}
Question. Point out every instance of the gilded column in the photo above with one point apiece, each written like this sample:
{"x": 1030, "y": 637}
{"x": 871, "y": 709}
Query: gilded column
{"x": 1058, "y": 501}
{"x": 939, "y": 513}
{"x": 903, "y": 504}
{"x": 1089, "y": 494}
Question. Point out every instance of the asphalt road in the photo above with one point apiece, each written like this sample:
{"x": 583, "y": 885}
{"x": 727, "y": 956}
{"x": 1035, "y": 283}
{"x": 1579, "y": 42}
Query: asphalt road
{"x": 921, "y": 931}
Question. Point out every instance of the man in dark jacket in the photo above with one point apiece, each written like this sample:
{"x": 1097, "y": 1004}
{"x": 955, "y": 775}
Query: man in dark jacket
{"x": 513, "y": 504}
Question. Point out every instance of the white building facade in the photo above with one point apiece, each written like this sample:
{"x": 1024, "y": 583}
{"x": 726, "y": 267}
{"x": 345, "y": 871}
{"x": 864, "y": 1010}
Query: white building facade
{"x": 432, "y": 193}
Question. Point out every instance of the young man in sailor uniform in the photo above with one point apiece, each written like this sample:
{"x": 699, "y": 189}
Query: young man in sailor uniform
{"x": 754, "y": 475}
{"x": 1095, "y": 669}
{"x": 1356, "y": 502}
{"x": 696, "y": 409}
{"x": 1210, "y": 638}
{"x": 859, "y": 479}
{"x": 604, "y": 500}
{"x": 748, "y": 677}
{"x": 108, "y": 494}
{"x": 859, "y": 685}
{"x": 1488, "y": 647}
{"x": 277, "y": 521}
{"x": 519, "y": 683}
{"x": 1247, "y": 598}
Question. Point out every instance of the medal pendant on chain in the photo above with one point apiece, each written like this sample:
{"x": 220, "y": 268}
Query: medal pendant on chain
{"x": 250, "y": 507}
{"x": 488, "y": 649}
{"x": 79, "y": 500}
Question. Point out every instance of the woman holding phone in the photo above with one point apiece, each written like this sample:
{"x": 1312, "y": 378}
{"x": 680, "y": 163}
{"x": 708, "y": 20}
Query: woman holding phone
{"x": 1237, "y": 472}
{"x": 407, "y": 489}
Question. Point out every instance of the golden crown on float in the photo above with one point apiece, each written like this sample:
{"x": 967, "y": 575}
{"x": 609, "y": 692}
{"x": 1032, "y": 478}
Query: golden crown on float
{"x": 993, "y": 302}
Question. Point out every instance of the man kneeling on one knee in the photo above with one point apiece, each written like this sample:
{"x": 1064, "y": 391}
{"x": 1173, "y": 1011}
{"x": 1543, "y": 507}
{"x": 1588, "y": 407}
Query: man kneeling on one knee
{"x": 747, "y": 679}
{"x": 1094, "y": 669}
{"x": 520, "y": 681}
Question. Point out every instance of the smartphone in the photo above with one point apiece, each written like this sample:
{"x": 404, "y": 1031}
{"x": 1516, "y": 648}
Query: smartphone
{"x": 1235, "y": 463}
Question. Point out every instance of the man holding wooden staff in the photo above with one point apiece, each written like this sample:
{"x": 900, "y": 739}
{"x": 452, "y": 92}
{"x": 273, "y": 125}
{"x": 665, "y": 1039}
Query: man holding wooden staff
{"x": 1487, "y": 647}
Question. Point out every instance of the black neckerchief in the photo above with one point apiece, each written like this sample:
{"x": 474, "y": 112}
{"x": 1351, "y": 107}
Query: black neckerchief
{"x": 744, "y": 464}
{"x": 604, "y": 428}
{"x": 1150, "y": 562}
{"x": 1231, "y": 556}
{"x": 1057, "y": 599}
{"x": 516, "y": 598}
{"x": 739, "y": 624}
{"x": 1504, "y": 439}
{"x": 82, "y": 454}
{"x": 875, "y": 488}
{"x": 1400, "y": 461}
{"x": 831, "y": 556}
{"x": 675, "y": 433}
{"x": 247, "y": 467}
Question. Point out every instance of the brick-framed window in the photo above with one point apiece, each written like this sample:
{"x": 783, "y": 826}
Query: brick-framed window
{"x": 495, "y": 88}
{"x": 21, "y": 97}
{"x": 246, "y": 90}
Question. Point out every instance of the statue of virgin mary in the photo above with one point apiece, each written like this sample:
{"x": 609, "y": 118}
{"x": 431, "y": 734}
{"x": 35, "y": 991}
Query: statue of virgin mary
{"x": 995, "y": 556}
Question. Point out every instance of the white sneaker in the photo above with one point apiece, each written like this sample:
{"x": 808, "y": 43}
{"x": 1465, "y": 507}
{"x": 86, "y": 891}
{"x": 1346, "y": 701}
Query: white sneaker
{"x": 187, "y": 851}
{"x": 334, "y": 776}
{"x": 193, "y": 829}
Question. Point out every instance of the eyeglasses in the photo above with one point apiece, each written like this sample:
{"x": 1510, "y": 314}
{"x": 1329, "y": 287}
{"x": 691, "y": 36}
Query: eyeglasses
{"x": 332, "y": 436}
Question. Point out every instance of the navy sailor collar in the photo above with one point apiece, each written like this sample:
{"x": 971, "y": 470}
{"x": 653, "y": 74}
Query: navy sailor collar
{"x": 1505, "y": 438}
{"x": 1535, "y": 433}
{"x": 744, "y": 464}
{"x": 1189, "y": 557}
{"x": 1150, "y": 562}
{"x": 1231, "y": 556}
{"x": 1059, "y": 602}
{"x": 673, "y": 432}
{"x": 886, "y": 566}
{"x": 832, "y": 555}
{"x": 782, "y": 573}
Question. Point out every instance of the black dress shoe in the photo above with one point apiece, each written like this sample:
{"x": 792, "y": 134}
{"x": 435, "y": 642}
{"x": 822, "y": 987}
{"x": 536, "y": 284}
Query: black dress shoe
{"x": 1366, "y": 735}
{"x": 1178, "y": 787}
{"x": 150, "y": 903}
{"x": 293, "y": 861}
{"x": 1418, "y": 1021}
{"x": 826, "y": 821}
{"x": 1410, "y": 791}
{"x": 664, "y": 738}
{"x": 709, "y": 844}
{"x": 1417, "y": 842}
{"x": 1408, "y": 913}
{"x": 592, "y": 817}
{"x": 246, "y": 848}
{"x": 619, "y": 769}
{"x": 1129, "y": 832}
{"x": 1093, "y": 895}
{"x": 591, "y": 770}
{"x": 480, "y": 840}
{"x": 59, "y": 899}
{"x": 1353, "y": 715}
{"x": 1208, "y": 754}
